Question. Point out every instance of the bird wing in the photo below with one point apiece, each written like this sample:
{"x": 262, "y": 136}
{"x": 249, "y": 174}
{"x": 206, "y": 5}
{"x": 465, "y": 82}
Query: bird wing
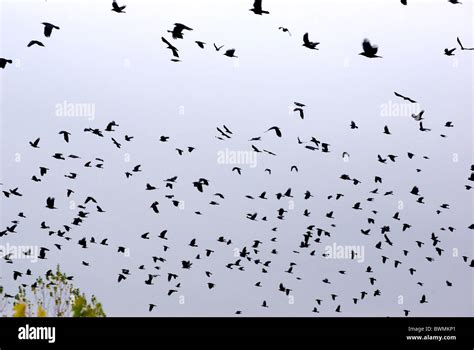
{"x": 171, "y": 47}
{"x": 48, "y": 29}
{"x": 306, "y": 38}
{"x": 257, "y": 5}
{"x": 180, "y": 27}
{"x": 368, "y": 48}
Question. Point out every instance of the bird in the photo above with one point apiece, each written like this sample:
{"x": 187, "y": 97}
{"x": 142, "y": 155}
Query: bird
{"x": 276, "y": 129}
{"x": 48, "y": 28}
{"x": 35, "y": 143}
{"x": 404, "y": 97}
{"x": 150, "y": 187}
{"x": 117, "y": 8}
{"x": 218, "y": 48}
{"x": 177, "y": 32}
{"x": 200, "y": 44}
{"x": 65, "y": 135}
{"x": 423, "y": 128}
{"x": 238, "y": 170}
{"x": 449, "y": 52}
{"x": 309, "y": 44}
{"x": 42, "y": 253}
{"x": 175, "y": 54}
{"x": 284, "y": 30}
{"x": 230, "y": 53}
{"x": 257, "y": 8}
{"x": 300, "y": 111}
{"x": 418, "y": 116}
{"x": 50, "y": 203}
{"x": 462, "y": 47}
{"x": 369, "y": 50}
{"x": 4, "y": 62}
{"x": 154, "y": 206}
{"x": 35, "y": 42}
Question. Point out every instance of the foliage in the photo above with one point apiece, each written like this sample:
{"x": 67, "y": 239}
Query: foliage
{"x": 52, "y": 295}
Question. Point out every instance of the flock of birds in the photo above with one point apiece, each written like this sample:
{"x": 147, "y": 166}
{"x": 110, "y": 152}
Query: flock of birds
{"x": 256, "y": 256}
{"x": 368, "y": 50}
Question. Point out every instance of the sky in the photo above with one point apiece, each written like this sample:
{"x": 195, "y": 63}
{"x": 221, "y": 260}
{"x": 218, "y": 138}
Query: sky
{"x": 117, "y": 67}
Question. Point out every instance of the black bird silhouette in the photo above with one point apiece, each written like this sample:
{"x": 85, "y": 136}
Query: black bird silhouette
{"x": 200, "y": 44}
{"x": 48, "y": 28}
{"x": 300, "y": 111}
{"x": 35, "y": 143}
{"x": 35, "y": 42}
{"x": 154, "y": 206}
{"x": 218, "y": 48}
{"x": 177, "y": 32}
{"x": 230, "y": 53}
{"x": 276, "y": 129}
{"x": 186, "y": 264}
{"x": 284, "y": 30}
{"x": 309, "y": 44}
{"x": 418, "y": 116}
{"x": 50, "y": 203}
{"x": 239, "y": 170}
{"x": 462, "y": 47}
{"x": 175, "y": 54}
{"x": 404, "y": 97}
{"x": 257, "y": 8}
{"x": 449, "y": 52}
{"x": 65, "y": 135}
{"x": 370, "y": 51}
{"x": 42, "y": 253}
{"x": 423, "y": 128}
{"x": 117, "y": 8}
{"x": 4, "y": 61}
{"x": 150, "y": 187}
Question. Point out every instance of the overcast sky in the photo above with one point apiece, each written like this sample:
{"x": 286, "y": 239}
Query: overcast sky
{"x": 117, "y": 66}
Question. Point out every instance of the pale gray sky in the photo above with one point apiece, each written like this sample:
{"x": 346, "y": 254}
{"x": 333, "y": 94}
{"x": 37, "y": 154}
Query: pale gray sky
{"x": 118, "y": 64}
